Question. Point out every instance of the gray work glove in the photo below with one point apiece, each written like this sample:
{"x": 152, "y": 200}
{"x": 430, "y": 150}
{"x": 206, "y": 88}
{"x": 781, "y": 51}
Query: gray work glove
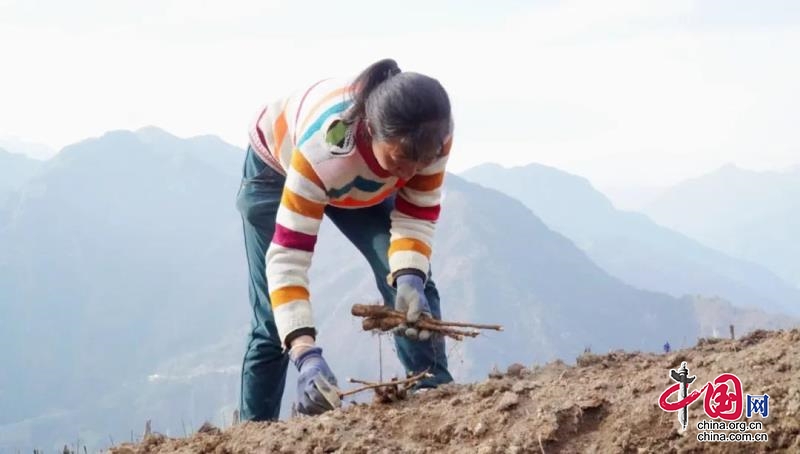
{"x": 316, "y": 384}
{"x": 412, "y": 301}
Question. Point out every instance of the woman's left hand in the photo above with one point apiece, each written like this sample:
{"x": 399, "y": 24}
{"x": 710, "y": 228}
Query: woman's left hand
{"x": 411, "y": 299}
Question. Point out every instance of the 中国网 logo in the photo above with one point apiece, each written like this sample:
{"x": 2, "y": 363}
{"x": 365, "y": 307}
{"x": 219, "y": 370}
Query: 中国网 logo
{"x": 723, "y": 399}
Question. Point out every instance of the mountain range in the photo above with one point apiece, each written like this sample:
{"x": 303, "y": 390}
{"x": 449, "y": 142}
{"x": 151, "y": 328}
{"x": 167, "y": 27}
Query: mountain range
{"x": 633, "y": 247}
{"x": 124, "y": 292}
{"x": 33, "y": 150}
{"x": 747, "y": 214}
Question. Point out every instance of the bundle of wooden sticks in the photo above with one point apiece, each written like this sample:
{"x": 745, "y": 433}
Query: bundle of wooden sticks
{"x": 383, "y": 318}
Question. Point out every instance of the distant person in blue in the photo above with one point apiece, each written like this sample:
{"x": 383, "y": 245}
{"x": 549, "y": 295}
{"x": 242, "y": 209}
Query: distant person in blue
{"x": 666, "y": 347}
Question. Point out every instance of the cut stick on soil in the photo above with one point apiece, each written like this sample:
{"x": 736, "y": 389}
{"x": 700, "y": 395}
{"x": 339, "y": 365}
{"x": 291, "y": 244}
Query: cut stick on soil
{"x": 407, "y": 381}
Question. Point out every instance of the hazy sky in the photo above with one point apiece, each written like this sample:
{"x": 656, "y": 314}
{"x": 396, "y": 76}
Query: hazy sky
{"x": 629, "y": 92}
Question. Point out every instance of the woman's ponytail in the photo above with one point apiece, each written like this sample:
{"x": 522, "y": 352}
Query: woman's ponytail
{"x": 365, "y": 83}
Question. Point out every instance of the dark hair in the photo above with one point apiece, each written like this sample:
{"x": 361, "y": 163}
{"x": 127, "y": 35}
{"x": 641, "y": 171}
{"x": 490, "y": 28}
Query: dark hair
{"x": 407, "y": 107}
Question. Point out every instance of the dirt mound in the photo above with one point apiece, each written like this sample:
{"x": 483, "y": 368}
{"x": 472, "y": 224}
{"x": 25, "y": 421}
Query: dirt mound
{"x": 606, "y": 403}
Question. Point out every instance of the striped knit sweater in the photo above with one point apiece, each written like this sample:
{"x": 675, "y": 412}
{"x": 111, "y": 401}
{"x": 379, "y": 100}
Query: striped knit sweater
{"x": 302, "y": 137}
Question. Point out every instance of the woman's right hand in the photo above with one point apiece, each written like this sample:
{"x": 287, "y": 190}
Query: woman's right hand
{"x": 317, "y": 390}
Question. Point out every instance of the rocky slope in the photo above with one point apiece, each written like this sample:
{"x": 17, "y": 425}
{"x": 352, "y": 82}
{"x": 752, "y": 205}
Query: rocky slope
{"x": 605, "y": 403}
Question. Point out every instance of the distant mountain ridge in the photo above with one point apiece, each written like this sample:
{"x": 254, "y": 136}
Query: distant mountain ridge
{"x": 631, "y": 246}
{"x": 31, "y": 150}
{"x": 747, "y": 214}
{"x": 15, "y": 170}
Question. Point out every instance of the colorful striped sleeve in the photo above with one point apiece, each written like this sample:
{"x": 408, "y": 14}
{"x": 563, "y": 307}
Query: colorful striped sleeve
{"x": 289, "y": 255}
{"x": 414, "y": 217}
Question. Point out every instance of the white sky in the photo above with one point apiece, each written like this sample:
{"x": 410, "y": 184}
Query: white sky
{"x": 624, "y": 92}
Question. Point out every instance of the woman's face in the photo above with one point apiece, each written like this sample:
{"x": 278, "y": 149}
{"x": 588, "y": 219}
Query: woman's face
{"x": 390, "y": 156}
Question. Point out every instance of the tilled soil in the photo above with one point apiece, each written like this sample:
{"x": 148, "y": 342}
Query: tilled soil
{"x": 606, "y": 403}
